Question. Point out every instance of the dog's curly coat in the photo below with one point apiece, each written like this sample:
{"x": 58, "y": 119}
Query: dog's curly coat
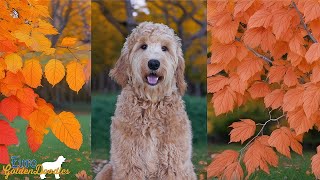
{"x": 150, "y": 131}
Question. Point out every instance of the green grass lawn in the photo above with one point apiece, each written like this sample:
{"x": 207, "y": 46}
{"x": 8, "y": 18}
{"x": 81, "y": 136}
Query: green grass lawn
{"x": 52, "y": 148}
{"x": 103, "y": 107}
{"x": 296, "y": 168}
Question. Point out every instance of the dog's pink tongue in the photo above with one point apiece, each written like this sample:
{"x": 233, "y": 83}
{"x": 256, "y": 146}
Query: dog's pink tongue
{"x": 152, "y": 79}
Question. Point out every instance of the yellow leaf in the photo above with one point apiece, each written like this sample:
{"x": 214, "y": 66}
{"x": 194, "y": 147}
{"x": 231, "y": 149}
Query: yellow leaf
{"x": 13, "y": 62}
{"x": 54, "y": 71}
{"x": 67, "y": 129}
{"x": 68, "y": 41}
{"x": 75, "y": 75}
{"x": 32, "y": 73}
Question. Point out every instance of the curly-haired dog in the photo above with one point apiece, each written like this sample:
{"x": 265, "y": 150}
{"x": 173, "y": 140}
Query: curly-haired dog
{"x": 52, "y": 166}
{"x": 150, "y": 131}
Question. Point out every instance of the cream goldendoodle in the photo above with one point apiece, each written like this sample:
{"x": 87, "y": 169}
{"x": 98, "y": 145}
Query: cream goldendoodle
{"x": 150, "y": 132}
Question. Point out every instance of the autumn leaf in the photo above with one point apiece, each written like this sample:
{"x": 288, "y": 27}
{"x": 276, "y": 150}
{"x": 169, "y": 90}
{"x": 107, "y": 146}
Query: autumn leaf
{"x": 4, "y": 154}
{"x": 13, "y": 62}
{"x": 293, "y": 98}
{"x": 259, "y": 89}
{"x": 259, "y": 155}
{"x": 34, "y": 138}
{"x": 223, "y": 101}
{"x": 311, "y": 10}
{"x": 311, "y": 99}
{"x": 315, "y": 76}
{"x": 261, "y": 18}
{"x": 249, "y": 67}
{"x": 68, "y": 41}
{"x": 282, "y": 139}
{"x": 315, "y": 163}
{"x": 274, "y": 99}
{"x": 313, "y": 53}
{"x": 8, "y": 107}
{"x": 221, "y": 161}
{"x": 216, "y": 83}
{"x": 7, "y": 134}
{"x": 242, "y": 130}
{"x": 226, "y": 33}
{"x": 54, "y": 71}
{"x": 276, "y": 73}
{"x": 67, "y": 129}
{"x": 233, "y": 171}
{"x": 75, "y": 75}
{"x": 32, "y": 73}
{"x": 298, "y": 121}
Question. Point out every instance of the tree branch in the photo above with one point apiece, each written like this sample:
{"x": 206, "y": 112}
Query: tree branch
{"x": 107, "y": 14}
{"x": 260, "y": 132}
{"x": 256, "y": 53}
{"x": 303, "y": 23}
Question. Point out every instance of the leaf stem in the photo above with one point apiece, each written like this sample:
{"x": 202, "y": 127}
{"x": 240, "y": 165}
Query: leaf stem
{"x": 73, "y": 54}
{"x": 303, "y": 23}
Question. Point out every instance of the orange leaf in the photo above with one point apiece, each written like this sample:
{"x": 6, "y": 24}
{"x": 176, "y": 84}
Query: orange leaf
{"x": 13, "y": 62}
{"x": 313, "y": 53}
{"x": 315, "y": 163}
{"x": 233, "y": 171}
{"x": 311, "y": 10}
{"x": 311, "y": 99}
{"x": 259, "y": 36}
{"x": 298, "y": 121}
{"x": 274, "y": 99}
{"x": 223, "y": 100}
{"x": 67, "y": 129}
{"x": 226, "y": 33}
{"x": 259, "y": 155}
{"x": 34, "y": 138}
{"x": 259, "y": 89}
{"x": 75, "y": 76}
{"x": 296, "y": 44}
{"x": 220, "y": 162}
{"x": 282, "y": 139}
{"x": 32, "y": 73}
{"x": 68, "y": 41}
{"x": 281, "y": 22}
{"x": 216, "y": 83}
{"x": 315, "y": 76}
{"x": 276, "y": 73}
{"x": 242, "y": 6}
{"x": 290, "y": 78}
{"x": 242, "y": 130}
{"x": 237, "y": 85}
{"x": 213, "y": 69}
{"x": 249, "y": 67}
{"x": 223, "y": 53}
{"x": 260, "y": 18}
{"x": 293, "y": 99}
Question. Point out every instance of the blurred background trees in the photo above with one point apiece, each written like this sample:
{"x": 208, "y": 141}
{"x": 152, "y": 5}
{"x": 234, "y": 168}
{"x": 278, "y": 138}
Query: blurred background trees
{"x": 70, "y": 18}
{"x": 113, "y": 21}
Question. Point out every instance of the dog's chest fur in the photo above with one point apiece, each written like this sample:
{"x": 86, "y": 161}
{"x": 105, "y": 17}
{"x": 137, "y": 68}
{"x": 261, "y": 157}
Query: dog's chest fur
{"x": 152, "y": 126}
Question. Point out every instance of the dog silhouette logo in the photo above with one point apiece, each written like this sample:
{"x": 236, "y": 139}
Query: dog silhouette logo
{"x": 52, "y": 168}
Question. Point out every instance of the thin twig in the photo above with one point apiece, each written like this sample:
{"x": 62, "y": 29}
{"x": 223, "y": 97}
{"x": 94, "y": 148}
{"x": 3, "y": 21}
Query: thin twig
{"x": 303, "y": 23}
{"x": 256, "y": 53}
{"x": 260, "y": 132}
{"x": 73, "y": 54}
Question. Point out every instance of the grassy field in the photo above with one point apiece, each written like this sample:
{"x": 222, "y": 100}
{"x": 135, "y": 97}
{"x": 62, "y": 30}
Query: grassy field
{"x": 103, "y": 107}
{"x": 296, "y": 168}
{"x": 52, "y": 148}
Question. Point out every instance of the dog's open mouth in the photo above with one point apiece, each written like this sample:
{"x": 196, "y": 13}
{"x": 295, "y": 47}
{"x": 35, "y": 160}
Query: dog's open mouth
{"x": 153, "y": 79}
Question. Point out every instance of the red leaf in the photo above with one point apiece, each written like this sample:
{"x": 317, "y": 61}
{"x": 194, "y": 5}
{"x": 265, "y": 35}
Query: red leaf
{"x": 7, "y": 134}
{"x": 10, "y": 107}
{"x": 4, "y": 155}
{"x": 34, "y": 139}
{"x": 242, "y": 130}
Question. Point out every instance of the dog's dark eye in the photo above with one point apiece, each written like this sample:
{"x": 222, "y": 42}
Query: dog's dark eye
{"x": 164, "y": 48}
{"x": 144, "y": 46}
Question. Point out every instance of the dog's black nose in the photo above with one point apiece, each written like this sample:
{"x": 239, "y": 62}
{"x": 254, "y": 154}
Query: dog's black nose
{"x": 153, "y": 64}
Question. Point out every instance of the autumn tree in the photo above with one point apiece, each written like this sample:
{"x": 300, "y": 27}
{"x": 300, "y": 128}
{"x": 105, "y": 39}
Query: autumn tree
{"x": 26, "y": 56}
{"x": 264, "y": 50}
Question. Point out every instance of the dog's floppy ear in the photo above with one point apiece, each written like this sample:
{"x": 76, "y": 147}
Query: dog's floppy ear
{"x": 119, "y": 72}
{"x": 179, "y": 74}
